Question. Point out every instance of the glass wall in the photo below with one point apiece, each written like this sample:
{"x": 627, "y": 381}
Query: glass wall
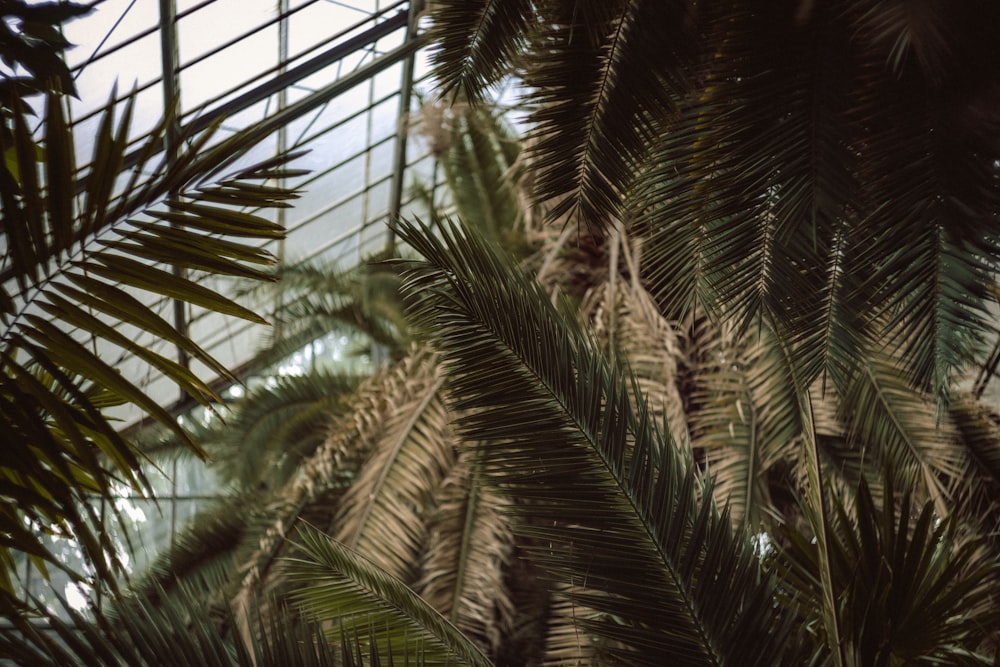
{"x": 333, "y": 78}
{"x": 339, "y": 79}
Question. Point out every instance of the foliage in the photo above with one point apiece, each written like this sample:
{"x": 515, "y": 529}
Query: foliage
{"x": 595, "y": 483}
{"x": 31, "y": 46}
{"x": 910, "y": 588}
{"x": 180, "y": 631}
{"x": 716, "y": 418}
{"x": 82, "y": 243}
{"x": 314, "y": 298}
{"x": 828, "y": 170}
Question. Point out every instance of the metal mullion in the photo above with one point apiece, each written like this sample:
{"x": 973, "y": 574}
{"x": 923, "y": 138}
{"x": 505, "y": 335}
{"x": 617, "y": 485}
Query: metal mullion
{"x": 366, "y": 179}
{"x": 302, "y": 139}
{"x": 283, "y": 81}
{"x": 402, "y": 132}
{"x": 282, "y": 139}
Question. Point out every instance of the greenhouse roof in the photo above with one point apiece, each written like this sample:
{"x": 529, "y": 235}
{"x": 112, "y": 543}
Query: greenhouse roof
{"x": 331, "y": 77}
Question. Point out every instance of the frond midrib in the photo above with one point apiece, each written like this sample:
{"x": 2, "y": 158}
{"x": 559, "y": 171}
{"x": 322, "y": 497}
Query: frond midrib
{"x": 637, "y": 513}
{"x": 401, "y": 440}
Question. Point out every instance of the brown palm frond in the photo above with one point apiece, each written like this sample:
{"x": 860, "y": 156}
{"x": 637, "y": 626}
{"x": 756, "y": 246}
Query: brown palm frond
{"x": 567, "y": 643}
{"x": 383, "y": 515}
{"x": 350, "y": 437}
{"x": 901, "y": 429}
{"x": 468, "y": 558}
{"x": 625, "y": 317}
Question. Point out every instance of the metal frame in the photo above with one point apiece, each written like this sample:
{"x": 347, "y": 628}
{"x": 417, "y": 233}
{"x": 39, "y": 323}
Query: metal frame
{"x": 290, "y": 70}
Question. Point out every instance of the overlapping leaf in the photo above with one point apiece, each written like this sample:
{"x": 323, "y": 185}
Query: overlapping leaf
{"x": 373, "y": 605}
{"x": 614, "y": 510}
{"x": 83, "y": 248}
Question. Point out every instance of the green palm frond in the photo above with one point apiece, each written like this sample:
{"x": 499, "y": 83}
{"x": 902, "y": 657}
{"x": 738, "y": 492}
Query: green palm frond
{"x": 754, "y": 183}
{"x": 274, "y": 427}
{"x": 136, "y": 633}
{"x": 343, "y": 589}
{"x": 887, "y": 420}
{"x": 479, "y": 157}
{"x": 203, "y": 557}
{"x": 932, "y": 163}
{"x": 312, "y": 298}
{"x": 155, "y": 630}
{"x": 614, "y": 509}
{"x": 909, "y": 589}
{"x": 81, "y": 246}
{"x": 828, "y": 168}
{"x": 32, "y": 43}
{"x": 474, "y": 42}
{"x": 602, "y": 81}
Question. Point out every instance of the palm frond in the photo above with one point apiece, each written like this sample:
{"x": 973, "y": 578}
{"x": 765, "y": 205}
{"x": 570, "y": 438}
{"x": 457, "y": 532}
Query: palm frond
{"x": 929, "y": 182}
{"x": 333, "y": 468}
{"x": 480, "y": 160}
{"x": 81, "y": 246}
{"x": 383, "y": 515}
{"x": 602, "y": 80}
{"x": 181, "y": 630}
{"x": 899, "y": 428}
{"x": 464, "y": 572}
{"x": 614, "y": 509}
{"x": 33, "y": 43}
{"x": 273, "y": 427}
{"x": 371, "y": 604}
{"x": 749, "y": 188}
{"x": 749, "y": 422}
{"x": 625, "y": 316}
{"x": 934, "y": 245}
{"x": 726, "y": 430}
{"x": 474, "y": 42}
{"x": 908, "y": 589}
{"x": 978, "y": 489}
{"x": 312, "y": 298}
{"x": 203, "y": 556}
{"x": 565, "y": 642}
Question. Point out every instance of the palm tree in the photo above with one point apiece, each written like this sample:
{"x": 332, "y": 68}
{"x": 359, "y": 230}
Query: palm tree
{"x": 825, "y": 171}
{"x": 812, "y": 497}
{"x": 82, "y": 242}
{"x": 398, "y": 484}
{"x": 816, "y": 187}
{"x": 661, "y": 574}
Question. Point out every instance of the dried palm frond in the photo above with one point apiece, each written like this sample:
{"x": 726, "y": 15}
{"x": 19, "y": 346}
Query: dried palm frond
{"x": 468, "y": 558}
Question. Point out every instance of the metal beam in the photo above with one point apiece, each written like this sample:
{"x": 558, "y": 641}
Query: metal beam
{"x": 402, "y": 132}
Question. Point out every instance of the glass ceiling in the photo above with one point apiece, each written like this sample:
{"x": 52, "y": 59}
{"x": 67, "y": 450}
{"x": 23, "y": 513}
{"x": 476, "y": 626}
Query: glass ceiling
{"x": 333, "y": 77}
{"x": 341, "y": 79}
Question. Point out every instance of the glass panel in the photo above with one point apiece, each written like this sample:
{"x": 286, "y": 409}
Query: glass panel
{"x": 348, "y": 190}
